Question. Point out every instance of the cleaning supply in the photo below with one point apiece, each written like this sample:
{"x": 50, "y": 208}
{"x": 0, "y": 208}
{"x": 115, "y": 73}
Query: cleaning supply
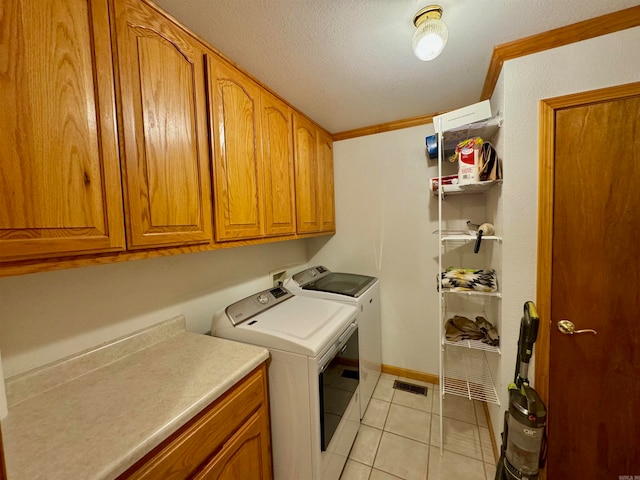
{"x": 484, "y": 229}
{"x": 480, "y": 230}
{"x": 523, "y": 448}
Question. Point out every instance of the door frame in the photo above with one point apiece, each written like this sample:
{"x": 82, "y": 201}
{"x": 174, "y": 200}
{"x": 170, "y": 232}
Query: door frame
{"x": 546, "y": 175}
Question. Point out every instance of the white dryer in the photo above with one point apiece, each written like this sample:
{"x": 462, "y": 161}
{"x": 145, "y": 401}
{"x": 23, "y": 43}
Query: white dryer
{"x": 361, "y": 291}
{"x": 313, "y": 377}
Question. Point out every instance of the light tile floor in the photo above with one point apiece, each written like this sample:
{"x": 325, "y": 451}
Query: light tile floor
{"x": 400, "y": 437}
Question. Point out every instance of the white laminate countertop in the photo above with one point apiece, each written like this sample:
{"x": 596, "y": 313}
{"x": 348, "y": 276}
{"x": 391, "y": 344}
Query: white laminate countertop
{"x": 116, "y": 403}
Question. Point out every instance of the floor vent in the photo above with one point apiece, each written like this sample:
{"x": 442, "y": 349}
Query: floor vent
{"x": 410, "y": 387}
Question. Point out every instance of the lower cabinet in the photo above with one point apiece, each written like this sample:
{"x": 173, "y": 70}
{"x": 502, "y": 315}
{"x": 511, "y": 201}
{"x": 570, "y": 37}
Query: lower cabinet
{"x": 243, "y": 456}
{"x": 229, "y": 439}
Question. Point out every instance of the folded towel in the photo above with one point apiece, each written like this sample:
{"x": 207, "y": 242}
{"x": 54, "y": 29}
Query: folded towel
{"x": 469, "y": 279}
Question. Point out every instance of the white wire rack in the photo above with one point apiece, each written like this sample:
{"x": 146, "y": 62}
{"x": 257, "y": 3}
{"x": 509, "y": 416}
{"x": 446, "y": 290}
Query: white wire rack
{"x": 472, "y": 293}
{"x": 474, "y": 344}
{"x": 463, "y": 371}
{"x": 469, "y": 188}
{"x": 467, "y": 374}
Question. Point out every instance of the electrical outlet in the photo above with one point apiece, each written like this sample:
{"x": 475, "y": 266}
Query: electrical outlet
{"x": 278, "y": 277}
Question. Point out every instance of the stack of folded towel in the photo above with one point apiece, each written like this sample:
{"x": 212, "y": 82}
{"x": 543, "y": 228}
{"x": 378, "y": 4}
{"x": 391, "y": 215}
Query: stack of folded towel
{"x": 461, "y": 328}
{"x": 471, "y": 279}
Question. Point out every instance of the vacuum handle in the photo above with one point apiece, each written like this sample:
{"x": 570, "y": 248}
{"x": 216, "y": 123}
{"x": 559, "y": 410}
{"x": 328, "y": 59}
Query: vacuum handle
{"x": 530, "y": 393}
{"x": 528, "y": 331}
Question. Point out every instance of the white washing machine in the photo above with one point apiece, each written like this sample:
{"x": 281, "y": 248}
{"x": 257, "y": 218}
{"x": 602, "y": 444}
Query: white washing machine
{"x": 313, "y": 377}
{"x": 361, "y": 291}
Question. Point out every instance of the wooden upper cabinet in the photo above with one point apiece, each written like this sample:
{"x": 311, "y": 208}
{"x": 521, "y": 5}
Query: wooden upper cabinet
{"x": 314, "y": 177}
{"x": 326, "y": 191}
{"x": 306, "y": 167}
{"x": 277, "y": 167}
{"x": 164, "y": 129}
{"x": 235, "y": 122}
{"x": 60, "y": 188}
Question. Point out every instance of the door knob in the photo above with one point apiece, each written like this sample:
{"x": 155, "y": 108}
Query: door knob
{"x": 568, "y": 328}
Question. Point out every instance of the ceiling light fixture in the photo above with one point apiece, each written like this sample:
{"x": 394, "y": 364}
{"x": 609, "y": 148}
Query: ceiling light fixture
{"x": 431, "y": 33}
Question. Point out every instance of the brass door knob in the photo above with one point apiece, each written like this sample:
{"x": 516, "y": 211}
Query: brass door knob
{"x": 568, "y": 328}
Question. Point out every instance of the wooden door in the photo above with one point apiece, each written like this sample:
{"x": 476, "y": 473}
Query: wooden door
{"x": 306, "y": 166}
{"x": 3, "y": 468}
{"x": 166, "y": 154}
{"x": 59, "y": 167}
{"x": 235, "y": 120}
{"x": 246, "y": 455}
{"x": 326, "y": 193}
{"x": 589, "y": 273}
{"x": 277, "y": 167}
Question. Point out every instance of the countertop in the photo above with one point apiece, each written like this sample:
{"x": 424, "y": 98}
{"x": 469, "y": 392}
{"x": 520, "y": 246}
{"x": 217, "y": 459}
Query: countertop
{"x": 94, "y": 415}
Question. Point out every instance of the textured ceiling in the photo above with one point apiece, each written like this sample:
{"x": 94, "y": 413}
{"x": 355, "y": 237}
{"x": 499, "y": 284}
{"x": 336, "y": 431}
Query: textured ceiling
{"x": 348, "y": 63}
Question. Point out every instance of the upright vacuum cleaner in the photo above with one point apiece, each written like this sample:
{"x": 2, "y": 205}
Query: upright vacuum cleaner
{"x": 523, "y": 448}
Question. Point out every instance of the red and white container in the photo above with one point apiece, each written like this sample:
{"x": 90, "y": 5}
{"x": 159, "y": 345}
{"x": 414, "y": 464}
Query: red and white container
{"x": 469, "y": 161}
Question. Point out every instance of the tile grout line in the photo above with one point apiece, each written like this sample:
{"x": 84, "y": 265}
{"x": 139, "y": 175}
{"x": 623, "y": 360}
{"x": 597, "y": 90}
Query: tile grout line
{"x": 432, "y": 415}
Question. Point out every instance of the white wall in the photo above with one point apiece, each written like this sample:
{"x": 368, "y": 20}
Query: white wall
{"x": 48, "y": 316}
{"x": 384, "y": 220}
{"x": 592, "y": 64}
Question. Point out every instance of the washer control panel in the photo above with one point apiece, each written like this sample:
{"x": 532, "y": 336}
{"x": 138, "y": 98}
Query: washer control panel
{"x": 249, "y": 307}
{"x": 310, "y": 274}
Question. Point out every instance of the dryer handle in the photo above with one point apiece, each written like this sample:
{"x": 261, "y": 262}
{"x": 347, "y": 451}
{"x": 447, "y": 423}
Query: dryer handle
{"x": 337, "y": 347}
{"x": 326, "y": 358}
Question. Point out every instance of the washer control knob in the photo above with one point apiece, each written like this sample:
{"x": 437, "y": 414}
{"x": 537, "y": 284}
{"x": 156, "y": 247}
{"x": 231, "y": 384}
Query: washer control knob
{"x": 263, "y": 298}
{"x": 313, "y": 273}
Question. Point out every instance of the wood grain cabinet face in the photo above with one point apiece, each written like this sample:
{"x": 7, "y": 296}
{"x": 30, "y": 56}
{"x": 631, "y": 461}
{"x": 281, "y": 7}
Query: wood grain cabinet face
{"x": 277, "y": 167}
{"x": 59, "y": 167}
{"x": 314, "y": 178}
{"x": 326, "y": 190}
{"x": 306, "y": 165}
{"x": 235, "y": 119}
{"x": 246, "y": 455}
{"x": 163, "y": 113}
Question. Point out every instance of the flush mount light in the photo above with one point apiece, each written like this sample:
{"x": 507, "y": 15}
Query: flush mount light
{"x": 431, "y": 33}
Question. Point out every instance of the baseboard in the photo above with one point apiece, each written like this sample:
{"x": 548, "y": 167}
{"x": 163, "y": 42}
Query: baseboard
{"x": 431, "y": 378}
{"x": 496, "y": 453}
{"x": 413, "y": 374}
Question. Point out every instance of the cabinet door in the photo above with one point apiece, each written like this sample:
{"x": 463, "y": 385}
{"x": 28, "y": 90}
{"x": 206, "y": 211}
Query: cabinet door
{"x": 246, "y": 455}
{"x": 325, "y": 183}
{"x": 306, "y": 164}
{"x": 163, "y": 102}
{"x": 59, "y": 168}
{"x": 235, "y": 119}
{"x": 277, "y": 167}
